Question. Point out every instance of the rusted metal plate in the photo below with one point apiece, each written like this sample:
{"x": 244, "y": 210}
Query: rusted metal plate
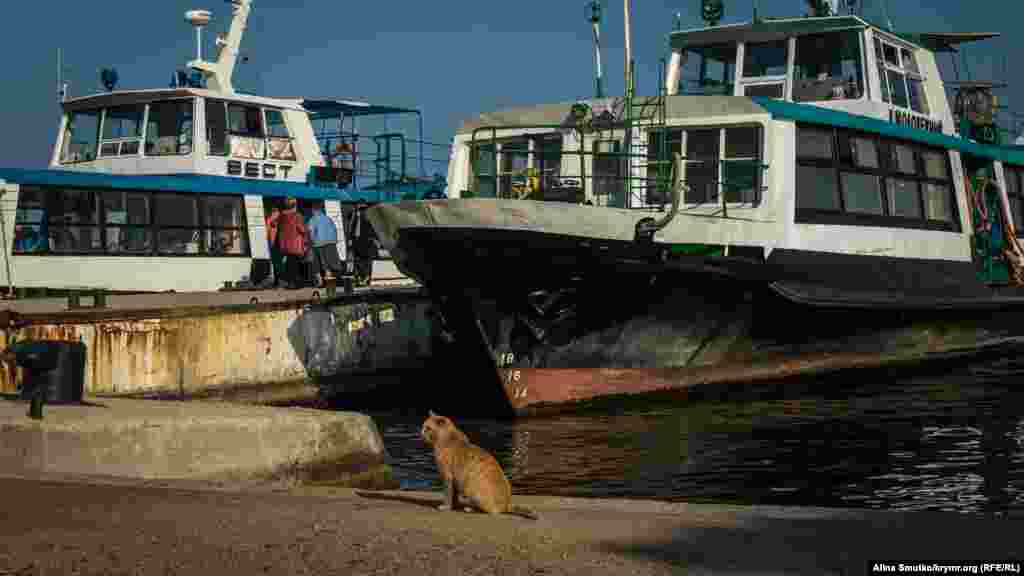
{"x": 530, "y": 390}
{"x": 187, "y": 355}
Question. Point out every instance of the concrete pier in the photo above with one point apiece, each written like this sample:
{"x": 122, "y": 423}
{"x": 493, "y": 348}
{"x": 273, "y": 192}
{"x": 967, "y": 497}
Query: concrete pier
{"x": 192, "y": 344}
{"x": 147, "y": 439}
{"x": 64, "y": 526}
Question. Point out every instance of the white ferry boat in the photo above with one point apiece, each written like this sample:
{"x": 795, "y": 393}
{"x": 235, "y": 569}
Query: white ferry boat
{"x": 800, "y": 195}
{"x": 168, "y": 189}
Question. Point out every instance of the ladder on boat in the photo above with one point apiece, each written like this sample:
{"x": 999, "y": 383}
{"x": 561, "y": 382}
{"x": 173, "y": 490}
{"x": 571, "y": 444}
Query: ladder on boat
{"x": 649, "y": 161}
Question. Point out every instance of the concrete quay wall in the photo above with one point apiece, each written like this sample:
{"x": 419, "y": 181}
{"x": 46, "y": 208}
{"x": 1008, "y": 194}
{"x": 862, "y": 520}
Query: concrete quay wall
{"x": 148, "y": 439}
{"x": 197, "y": 349}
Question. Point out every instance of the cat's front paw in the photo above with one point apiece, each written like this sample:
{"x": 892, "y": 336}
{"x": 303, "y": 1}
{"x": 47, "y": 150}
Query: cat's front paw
{"x": 444, "y": 507}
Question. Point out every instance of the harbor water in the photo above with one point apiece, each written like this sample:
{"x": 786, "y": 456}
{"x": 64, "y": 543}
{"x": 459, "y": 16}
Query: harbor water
{"x": 944, "y": 437}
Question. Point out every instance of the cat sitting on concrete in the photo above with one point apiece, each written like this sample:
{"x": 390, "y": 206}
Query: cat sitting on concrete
{"x": 468, "y": 470}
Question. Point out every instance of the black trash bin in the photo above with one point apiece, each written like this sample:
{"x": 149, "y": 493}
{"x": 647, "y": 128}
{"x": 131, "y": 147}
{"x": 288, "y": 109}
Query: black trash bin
{"x": 57, "y": 367}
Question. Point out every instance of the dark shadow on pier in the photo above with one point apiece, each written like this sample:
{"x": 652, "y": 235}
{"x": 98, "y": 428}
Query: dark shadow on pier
{"x": 423, "y": 501}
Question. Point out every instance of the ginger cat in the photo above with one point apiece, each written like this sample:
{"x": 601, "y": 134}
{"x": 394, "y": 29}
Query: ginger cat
{"x": 468, "y": 470}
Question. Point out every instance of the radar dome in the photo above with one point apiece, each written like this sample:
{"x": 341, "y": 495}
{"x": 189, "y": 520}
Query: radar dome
{"x": 198, "y": 17}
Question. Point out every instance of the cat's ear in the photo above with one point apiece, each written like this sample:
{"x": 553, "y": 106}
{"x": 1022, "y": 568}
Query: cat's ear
{"x": 432, "y": 415}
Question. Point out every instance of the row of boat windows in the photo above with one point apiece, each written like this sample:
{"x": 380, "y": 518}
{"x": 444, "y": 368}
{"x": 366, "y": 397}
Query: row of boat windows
{"x": 166, "y": 129}
{"x": 826, "y": 67}
{"x": 882, "y": 181}
{"x": 717, "y": 161}
{"x": 82, "y": 221}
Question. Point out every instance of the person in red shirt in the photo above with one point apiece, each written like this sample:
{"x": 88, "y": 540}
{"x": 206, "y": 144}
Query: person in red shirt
{"x": 291, "y": 240}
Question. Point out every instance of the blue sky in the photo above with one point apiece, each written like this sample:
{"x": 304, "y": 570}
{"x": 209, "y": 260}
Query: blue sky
{"x": 450, "y": 59}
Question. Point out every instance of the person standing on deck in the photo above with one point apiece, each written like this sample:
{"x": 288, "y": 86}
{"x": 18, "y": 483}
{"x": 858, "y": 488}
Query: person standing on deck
{"x": 291, "y": 238}
{"x": 275, "y": 251}
{"x": 323, "y": 238}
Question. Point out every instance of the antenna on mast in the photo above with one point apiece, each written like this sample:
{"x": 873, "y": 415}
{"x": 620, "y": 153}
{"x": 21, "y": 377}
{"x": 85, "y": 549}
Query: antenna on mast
{"x": 62, "y": 84}
{"x": 594, "y": 16}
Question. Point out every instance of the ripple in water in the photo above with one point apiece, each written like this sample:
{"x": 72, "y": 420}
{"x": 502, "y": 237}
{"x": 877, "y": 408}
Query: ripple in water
{"x": 952, "y": 443}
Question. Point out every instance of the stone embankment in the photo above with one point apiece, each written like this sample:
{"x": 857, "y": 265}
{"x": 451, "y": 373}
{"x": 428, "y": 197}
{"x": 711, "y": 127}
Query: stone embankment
{"x": 64, "y": 526}
{"x": 148, "y": 439}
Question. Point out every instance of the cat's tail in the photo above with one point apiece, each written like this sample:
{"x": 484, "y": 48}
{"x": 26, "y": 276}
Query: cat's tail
{"x": 524, "y": 512}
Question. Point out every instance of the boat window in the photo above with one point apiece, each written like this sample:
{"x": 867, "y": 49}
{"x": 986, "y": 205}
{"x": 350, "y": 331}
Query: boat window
{"x": 1015, "y": 193}
{"x": 169, "y": 128}
{"x": 882, "y": 82}
{"x": 31, "y": 230}
{"x": 177, "y": 221}
{"x": 741, "y": 165}
{"x": 711, "y": 167}
{"x": 862, "y": 193}
{"x": 115, "y": 222}
{"x": 709, "y": 70}
{"x": 276, "y": 127}
{"x": 814, "y": 143}
{"x": 126, "y": 222}
{"x": 279, "y": 143}
{"x": 73, "y": 216}
{"x": 870, "y": 191}
{"x": 514, "y": 162}
{"x": 936, "y": 164}
{"x": 484, "y": 171}
{"x": 222, "y": 219}
{"x": 858, "y": 150}
{"x": 901, "y": 159}
{"x": 938, "y": 202}
{"x": 80, "y": 137}
{"x": 765, "y": 59}
{"x": 817, "y": 188}
{"x": 245, "y": 120}
{"x": 701, "y": 166}
{"x": 900, "y": 77}
{"x": 609, "y": 173}
{"x": 216, "y": 128}
{"x": 904, "y": 198}
{"x": 828, "y": 67}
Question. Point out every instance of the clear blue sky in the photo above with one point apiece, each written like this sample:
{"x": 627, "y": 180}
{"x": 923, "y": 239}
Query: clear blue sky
{"x": 451, "y": 59}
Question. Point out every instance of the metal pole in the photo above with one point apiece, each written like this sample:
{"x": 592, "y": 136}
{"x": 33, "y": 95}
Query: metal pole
{"x": 419, "y": 116}
{"x": 629, "y": 52}
{"x": 597, "y": 56}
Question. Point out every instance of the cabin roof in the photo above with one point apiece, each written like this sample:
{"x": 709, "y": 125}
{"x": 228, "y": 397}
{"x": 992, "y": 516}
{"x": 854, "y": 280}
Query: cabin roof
{"x": 332, "y": 107}
{"x": 947, "y": 41}
{"x": 182, "y": 182}
{"x": 125, "y": 97}
{"x": 764, "y": 30}
{"x": 678, "y": 106}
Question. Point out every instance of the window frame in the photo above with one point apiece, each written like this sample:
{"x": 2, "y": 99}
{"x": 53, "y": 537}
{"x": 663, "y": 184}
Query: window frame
{"x": 862, "y": 63}
{"x": 880, "y": 43}
{"x": 885, "y": 171}
{"x": 52, "y": 197}
{"x": 69, "y": 134}
{"x": 678, "y": 140}
{"x": 121, "y": 141}
{"x": 190, "y": 102}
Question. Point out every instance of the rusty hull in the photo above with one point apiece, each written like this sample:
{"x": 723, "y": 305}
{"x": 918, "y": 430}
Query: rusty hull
{"x": 190, "y": 355}
{"x": 532, "y": 391}
{"x": 535, "y": 391}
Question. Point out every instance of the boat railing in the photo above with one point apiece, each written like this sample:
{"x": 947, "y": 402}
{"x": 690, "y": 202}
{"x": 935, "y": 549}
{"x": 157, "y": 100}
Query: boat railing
{"x": 383, "y": 162}
{"x": 530, "y": 162}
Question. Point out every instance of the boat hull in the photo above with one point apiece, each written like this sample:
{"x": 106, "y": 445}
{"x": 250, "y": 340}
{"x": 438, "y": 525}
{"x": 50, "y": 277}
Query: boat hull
{"x": 561, "y": 319}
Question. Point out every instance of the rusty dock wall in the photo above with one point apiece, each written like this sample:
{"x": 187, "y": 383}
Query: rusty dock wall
{"x": 190, "y": 344}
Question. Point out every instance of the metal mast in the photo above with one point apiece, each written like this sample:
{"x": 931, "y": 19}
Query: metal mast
{"x": 595, "y": 20}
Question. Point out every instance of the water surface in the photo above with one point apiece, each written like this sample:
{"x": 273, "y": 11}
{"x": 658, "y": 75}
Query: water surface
{"x": 951, "y": 440}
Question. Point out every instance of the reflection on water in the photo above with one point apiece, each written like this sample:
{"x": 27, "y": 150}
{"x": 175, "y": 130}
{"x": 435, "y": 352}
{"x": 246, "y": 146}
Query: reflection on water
{"x": 951, "y": 442}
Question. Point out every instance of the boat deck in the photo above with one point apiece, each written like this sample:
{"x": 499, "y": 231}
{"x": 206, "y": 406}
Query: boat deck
{"x": 37, "y": 309}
